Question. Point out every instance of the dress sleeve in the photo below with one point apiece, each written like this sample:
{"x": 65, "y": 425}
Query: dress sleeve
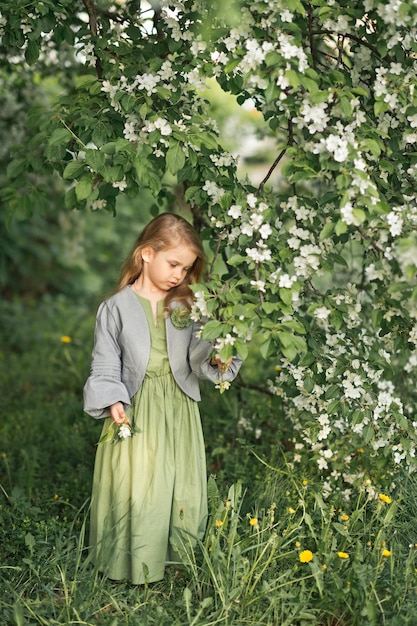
{"x": 104, "y": 385}
{"x": 200, "y": 353}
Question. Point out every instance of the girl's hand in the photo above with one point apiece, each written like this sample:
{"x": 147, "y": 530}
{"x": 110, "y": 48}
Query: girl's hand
{"x": 222, "y": 365}
{"x": 118, "y": 414}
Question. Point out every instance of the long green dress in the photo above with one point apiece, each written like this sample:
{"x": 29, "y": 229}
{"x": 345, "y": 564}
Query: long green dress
{"x": 149, "y": 496}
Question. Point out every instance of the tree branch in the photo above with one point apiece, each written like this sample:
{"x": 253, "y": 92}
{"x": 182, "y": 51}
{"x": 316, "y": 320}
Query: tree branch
{"x": 92, "y": 22}
{"x": 279, "y": 157}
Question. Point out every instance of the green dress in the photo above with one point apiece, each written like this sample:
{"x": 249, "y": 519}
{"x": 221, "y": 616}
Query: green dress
{"x": 149, "y": 496}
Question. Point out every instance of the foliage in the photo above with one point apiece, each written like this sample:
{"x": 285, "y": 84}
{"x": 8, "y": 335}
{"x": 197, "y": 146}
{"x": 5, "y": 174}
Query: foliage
{"x": 321, "y": 270}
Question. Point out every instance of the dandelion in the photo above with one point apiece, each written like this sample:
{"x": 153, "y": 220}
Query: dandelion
{"x": 306, "y": 556}
{"x": 65, "y": 339}
{"x": 385, "y": 498}
{"x": 344, "y": 518}
{"x": 291, "y": 510}
{"x": 218, "y": 523}
{"x": 56, "y": 496}
{"x": 386, "y": 552}
{"x": 324, "y": 566}
{"x": 343, "y": 555}
{"x": 253, "y": 521}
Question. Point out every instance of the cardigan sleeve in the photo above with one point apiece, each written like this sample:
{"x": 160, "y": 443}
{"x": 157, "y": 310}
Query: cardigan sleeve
{"x": 104, "y": 385}
{"x": 200, "y": 354}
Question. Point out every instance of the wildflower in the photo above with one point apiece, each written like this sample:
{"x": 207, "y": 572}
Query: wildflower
{"x": 218, "y": 523}
{"x": 306, "y": 556}
{"x": 386, "y": 552}
{"x": 345, "y": 518}
{"x": 65, "y": 339}
{"x": 56, "y": 496}
{"x": 385, "y": 498}
{"x": 253, "y": 521}
{"x": 305, "y": 482}
{"x": 324, "y": 566}
{"x": 291, "y": 510}
{"x": 343, "y": 555}
{"x": 297, "y": 544}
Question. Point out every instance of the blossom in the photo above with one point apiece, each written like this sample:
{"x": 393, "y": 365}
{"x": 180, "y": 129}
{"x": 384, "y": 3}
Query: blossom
{"x": 384, "y": 498}
{"x": 235, "y": 211}
{"x": 66, "y": 339}
{"x": 218, "y": 523}
{"x": 253, "y": 521}
{"x": 386, "y": 552}
{"x": 124, "y": 431}
{"x": 306, "y": 556}
{"x": 343, "y": 555}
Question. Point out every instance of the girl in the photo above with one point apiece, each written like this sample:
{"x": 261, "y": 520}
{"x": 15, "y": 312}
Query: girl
{"x": 149, "y": 485}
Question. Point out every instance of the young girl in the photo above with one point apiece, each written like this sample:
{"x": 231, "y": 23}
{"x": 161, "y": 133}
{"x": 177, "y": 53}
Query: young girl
{"x": 149, "y": 486}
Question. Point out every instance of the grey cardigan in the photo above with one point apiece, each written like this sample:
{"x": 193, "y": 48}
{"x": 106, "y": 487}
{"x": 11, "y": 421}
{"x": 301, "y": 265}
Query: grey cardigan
{"x": 121, "y": 353}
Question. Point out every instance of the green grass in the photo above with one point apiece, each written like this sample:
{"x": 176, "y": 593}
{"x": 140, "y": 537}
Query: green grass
{"x": 263, "y": 514}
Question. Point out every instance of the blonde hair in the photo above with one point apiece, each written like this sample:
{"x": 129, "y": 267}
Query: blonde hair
{"x": 166, "y": 231}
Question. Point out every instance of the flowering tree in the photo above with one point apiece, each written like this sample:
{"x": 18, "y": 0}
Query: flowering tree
{"x": 322, "y": 269}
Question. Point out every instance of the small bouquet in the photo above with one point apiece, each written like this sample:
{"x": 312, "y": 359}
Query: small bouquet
{"x": 117, "y": 432}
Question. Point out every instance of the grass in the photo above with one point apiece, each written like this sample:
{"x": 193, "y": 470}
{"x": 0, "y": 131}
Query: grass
{"x": 275, "y": 552}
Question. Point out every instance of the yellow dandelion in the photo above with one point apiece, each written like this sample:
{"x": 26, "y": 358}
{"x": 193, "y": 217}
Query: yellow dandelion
{"x": 291, "y": 510}
{"x": 386, "y": 553}
{"x": 345, "y": 518}
{"x": 56, "y": 496}
{"x": 306, "y": 556}
{"x": 360, "y": 450}
{"x": 253, "y": 521}
{"x": 297, "y": 544}
{"x": 218, "y": 523}
{"x": 384, "y": 498}
{"x": 324, "y": 566}
{"x": 65, "y": 339}
{"x": 343, "y": 555}
{"x": 305, "y": 482}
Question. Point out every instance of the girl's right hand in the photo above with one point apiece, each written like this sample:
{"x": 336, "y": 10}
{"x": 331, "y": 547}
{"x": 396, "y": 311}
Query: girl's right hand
{"x": 118, "y": 414}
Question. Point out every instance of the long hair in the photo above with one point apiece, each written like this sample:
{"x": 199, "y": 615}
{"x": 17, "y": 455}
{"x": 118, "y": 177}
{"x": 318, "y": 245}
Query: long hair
{"x": 166, "y": 231}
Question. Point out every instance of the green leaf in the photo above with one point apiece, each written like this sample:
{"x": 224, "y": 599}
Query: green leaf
{"x": 32, "y": 52}
{"x": 83, "y": 188}
{"x": 73, "y": 170}
{"x": 16, "y": 168}
{"x": 212, "y": 330}
{"x": 175, "y": 158}
{"x": 60, "y": 136}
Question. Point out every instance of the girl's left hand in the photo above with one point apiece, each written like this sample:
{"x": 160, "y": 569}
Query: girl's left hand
{"x": 223, "y": 366}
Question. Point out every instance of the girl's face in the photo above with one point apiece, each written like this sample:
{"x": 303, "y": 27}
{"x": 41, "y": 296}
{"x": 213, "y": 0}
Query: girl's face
{"x": 167, "y": 268}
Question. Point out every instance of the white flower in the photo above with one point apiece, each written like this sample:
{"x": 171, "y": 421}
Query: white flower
{"x": 235, "y": 211}
{"x": 124, "y": 431}
{"x": 322, "y": 313}
{"x": 258, "y": 284}
{"x": 163, "y": 126}
{"x": 147, "y": 82}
